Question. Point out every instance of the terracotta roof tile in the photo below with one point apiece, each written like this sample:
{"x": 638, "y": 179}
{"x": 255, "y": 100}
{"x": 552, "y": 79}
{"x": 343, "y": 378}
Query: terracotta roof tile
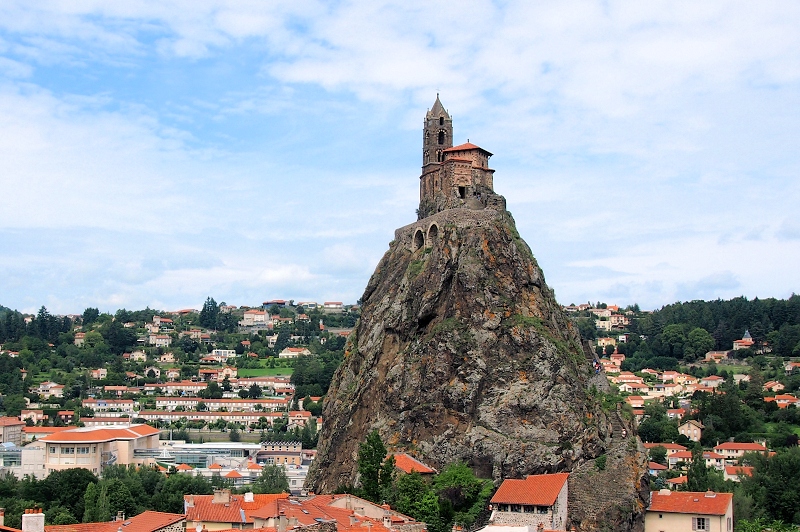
{"x": 235, "y": 511}
{"x": 535, "y": 490}
{"x": 101, "y": 433}
{"x": 739, "y": 470}
{"x": 148, "y": 521}
{"x": 689, "y": 502}
{"x": 408, "y": 464}
{"x": 733, "y": 446}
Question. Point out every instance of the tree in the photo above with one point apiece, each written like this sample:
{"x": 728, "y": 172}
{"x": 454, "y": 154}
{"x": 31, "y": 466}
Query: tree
{"x": 209, "y": 314}
{"x": 90, "y": 315}
{"x": 464, "y": 494}
{"x": 271, "y": 480}
{"x": 658, "y": 454}
{"x": 698, "y": 343}
{"x": 774, "y": 486}
{"x": 375, "y": 470}
{"x": 255, "y": 391}
{"x": 674, "y": 338}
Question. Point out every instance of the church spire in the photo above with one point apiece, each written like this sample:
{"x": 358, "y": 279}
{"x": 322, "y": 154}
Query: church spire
{"x": 437, "y": 133}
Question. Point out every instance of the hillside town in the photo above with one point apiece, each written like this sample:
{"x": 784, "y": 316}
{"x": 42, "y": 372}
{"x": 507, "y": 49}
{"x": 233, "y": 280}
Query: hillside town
{"x": 225, "y": 394}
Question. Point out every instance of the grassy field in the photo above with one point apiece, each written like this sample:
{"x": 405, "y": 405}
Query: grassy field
{"x": 771, "y": 427}
{"x": 260, "y": 372}
{"x": 731, "y": 368}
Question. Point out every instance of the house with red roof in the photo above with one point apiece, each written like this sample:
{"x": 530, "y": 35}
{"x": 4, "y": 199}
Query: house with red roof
{"x": 773, "y": 386}
{"x": 11, "y": 430}
{"x": 735, "y": 473}
{"x": 654, "y": 468}
{"x": 349, "y": 513}
{"x": 712, "y": 381}
{"x": 222, "y": 510}
{"x": 789, "y": 367}
{"x": 783, "y": 400}
{"x": 533, "y": 501}
{"x": 679, "y": 511}
{"x": 712, "y": 459}
{"x": 147, "y": 521}
{"x": 746, "y": 342}
{"x": 733, "y": 451}
{"x": 408, "y": 464}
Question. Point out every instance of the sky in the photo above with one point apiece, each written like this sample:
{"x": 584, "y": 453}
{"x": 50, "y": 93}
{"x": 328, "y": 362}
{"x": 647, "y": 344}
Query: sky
{"x": 156, "y": 152}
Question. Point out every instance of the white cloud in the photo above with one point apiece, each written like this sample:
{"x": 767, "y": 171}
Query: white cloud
{"x": 641, "y": 146}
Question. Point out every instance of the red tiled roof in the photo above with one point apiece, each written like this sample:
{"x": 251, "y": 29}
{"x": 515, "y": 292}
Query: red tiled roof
{"x": 408, "y": 464}
{"x": 86, "y": 434}
{"x": 236, "y": 511}
{"x": 10, "y": 421}
{"x": 465, "y": 146}
{"x": 215, "y": 466}
{"x": 184, "y": 467}
{"x": 534, "y": 490}
{"x": 733, "y": 446}
{"x": 689, "y": 502}
{"x": 233, "y": 474}
{"x": 678, "y": 480}
{"x": 148, "y": 521}
{"x": 329, "y": 508}
{"x": 656, "y": 466}
{"x": 739, "y": 470}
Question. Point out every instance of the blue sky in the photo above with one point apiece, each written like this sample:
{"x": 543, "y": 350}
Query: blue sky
{"x": 156, "y": 152}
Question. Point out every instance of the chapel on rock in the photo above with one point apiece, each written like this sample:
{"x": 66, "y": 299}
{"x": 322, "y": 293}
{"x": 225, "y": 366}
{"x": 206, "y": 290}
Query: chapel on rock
{"x": 452, "y": 176}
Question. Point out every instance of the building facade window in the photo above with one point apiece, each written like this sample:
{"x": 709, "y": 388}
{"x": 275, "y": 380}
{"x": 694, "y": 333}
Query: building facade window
{"x": 700, "y": 523}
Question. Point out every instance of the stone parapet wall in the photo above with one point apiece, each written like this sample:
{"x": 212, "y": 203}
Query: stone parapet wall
{"x": 523, "y": 519}
{"x": 460, "y": 217}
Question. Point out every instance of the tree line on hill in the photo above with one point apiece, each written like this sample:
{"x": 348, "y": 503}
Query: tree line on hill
{"x": 685, "y": 331}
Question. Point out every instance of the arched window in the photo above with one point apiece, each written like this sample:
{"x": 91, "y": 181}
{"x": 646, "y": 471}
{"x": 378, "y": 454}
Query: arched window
{"x": 441, "y": 120}
{"x": 441, "y": 137}
{"x": 439, "y": 156}
{"x": 433, "y": 233}
{"x": 427, "y": 156}
{"x": 419, "y": 239}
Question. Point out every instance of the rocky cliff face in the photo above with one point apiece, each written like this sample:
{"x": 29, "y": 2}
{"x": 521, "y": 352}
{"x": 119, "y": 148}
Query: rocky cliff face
{"x": 463, "y": 354}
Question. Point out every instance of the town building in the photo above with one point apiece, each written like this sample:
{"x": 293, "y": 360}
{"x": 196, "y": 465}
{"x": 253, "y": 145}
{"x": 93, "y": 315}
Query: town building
{"x": 95, "y": 448}
{"x": 532, "y": 501}
{"x": 11, "y": 430}
{"x": 676, "y": 511}
{"x": 692, "y": 429}
{"x": 733, "y": 451}
{"x": 344, "y": 513}
{"x": 147, "y": 521}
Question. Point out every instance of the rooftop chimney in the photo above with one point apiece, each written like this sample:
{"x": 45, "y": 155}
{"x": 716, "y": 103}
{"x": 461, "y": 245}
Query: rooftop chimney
{"x": 221, "y": 497}
{"x": 190, "y": 501}
{"x": 2, "y": 517}
{"x": 120, "y": 516}
{"x": 281, "y": 522}
{"x": 248, "y": 497}
{"x": 33, "y": 520}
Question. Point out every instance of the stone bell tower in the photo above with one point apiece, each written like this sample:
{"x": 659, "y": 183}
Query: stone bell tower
{"x": 453, "y": 176}
{"x": 437, "y": 134}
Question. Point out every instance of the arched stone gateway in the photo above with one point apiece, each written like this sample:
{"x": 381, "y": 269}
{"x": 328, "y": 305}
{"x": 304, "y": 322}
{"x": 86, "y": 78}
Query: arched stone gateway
{"x": 419, "y": 240}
